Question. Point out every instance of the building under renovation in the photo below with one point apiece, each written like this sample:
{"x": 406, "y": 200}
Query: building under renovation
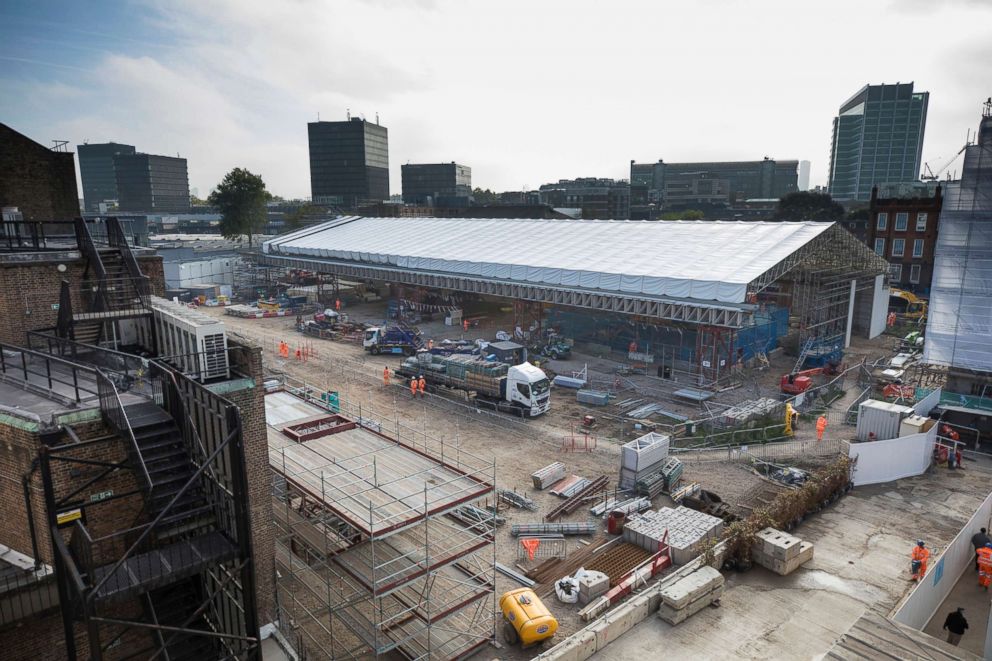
{"x": 703, "y": 297}
{"x": 137, "y": 515}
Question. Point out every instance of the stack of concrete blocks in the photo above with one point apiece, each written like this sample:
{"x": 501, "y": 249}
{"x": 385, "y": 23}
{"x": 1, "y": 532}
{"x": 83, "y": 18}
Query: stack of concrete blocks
{"x": 689, "y": 595}
{"x": 593, "y": 584}
{"x": 688, "y": 531}
{"x": 779, "y": 551}
{"x": 642, "y": 457}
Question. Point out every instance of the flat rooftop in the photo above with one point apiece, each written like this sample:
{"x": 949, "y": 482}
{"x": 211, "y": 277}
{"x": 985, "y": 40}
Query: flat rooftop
{"x": 703, "y": 260}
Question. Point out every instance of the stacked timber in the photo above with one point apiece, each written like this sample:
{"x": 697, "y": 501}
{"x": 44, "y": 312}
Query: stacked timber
{"x": 548, "y": 475}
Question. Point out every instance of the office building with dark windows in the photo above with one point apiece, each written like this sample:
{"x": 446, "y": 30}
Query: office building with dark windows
{"x": 349, "y": 162}
{"x": 98, "y": 173}
{"x": 437, "y": 184}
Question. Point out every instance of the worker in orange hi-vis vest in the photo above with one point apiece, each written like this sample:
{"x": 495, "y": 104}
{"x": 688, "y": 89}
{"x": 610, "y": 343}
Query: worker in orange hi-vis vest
{"x": 821, "y": 426}
{"x": 413, "y": 386}
{"x": 337, "y": 305}
{"x": 919, "y": 560}
{"x": 985, "y": 565}
{"x": 423, "y": 386}
{"x": 385, "y": 376}
{"x": 465, "y": 325}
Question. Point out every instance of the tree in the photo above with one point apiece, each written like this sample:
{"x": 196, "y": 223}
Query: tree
{"x": 486, "y": 196}
{"x": 296, "y": 218}
{"x": 688, "y": 214}
{"x": 240, "y": 198}
{"x": 805, "y": 205}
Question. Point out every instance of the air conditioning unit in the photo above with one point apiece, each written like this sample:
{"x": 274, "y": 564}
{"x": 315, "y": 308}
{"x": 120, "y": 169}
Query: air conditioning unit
{"x": 193, "y": 342}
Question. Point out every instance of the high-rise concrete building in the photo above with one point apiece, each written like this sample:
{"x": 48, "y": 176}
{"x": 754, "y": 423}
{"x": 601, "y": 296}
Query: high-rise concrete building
{"x": 804, "y": 167}
{"x": 437, "y": 184}
{"x": 877, "y": 139}
{"x": 349, "y": 162}
{"x": 151, "y": 183}
{"x": 96, "y": 169}
{"x": 682, "y": 185}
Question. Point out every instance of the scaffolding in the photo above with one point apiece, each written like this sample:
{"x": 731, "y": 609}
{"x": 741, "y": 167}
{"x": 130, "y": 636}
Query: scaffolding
{"x": 370, "y": 560}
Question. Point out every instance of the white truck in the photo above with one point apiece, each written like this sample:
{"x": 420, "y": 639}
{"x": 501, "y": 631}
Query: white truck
{"x": 522, "y": 389}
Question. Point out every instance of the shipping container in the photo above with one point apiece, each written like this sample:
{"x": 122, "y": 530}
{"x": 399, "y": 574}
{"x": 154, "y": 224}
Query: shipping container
{"x": 880, "y": 421}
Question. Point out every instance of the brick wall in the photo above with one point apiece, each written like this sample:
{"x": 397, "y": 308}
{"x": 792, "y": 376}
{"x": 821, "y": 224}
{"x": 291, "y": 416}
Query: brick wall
{"x": 251, "y": 405}
{"x": 30, "y": 289}
{"x": 35, "y": 179}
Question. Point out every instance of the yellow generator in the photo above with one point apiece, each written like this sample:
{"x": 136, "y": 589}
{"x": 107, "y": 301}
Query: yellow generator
{"x": 526, "y": 618}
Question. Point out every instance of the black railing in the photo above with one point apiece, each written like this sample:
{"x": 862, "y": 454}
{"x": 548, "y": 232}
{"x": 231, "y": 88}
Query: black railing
{"x": 24, "y": 593}
{"x": 63, "y": 326}
{"x": 117, "y": 239}
{"x": 114, "y": 415}
{"x": 36, "y": 235}
{"x": 47, "y": 372}
{"x": 97, "y": 296}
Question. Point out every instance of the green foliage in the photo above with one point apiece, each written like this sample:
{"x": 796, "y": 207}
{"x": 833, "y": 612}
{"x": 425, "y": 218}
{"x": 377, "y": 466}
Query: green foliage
{"x": 858, "y": 214}
{"x": 296, "y": 218}
{"x": 688, "y": 214}
{"x": 240, "y": 198}
{"x": 480, "y": 196}
{"x": 805, "y": 205}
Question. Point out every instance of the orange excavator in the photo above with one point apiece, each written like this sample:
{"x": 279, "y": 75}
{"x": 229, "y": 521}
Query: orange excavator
{"x": 798, "y": 382}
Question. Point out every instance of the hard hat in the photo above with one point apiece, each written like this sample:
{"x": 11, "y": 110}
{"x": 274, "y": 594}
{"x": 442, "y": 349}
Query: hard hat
{"x": 919, "y": 542}
{"x": 988, "y": 545}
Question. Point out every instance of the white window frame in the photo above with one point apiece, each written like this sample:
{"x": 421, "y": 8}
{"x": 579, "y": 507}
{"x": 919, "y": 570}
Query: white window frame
{"x": 895, "y": 272}
{"x": 921, "y": 222}
{"x": 880, "y": 247}
{"x": 902, "y": 251}
{"x": 914, "y": 273}
{"x": 904, "y": 217}
{"x": 918, "y": 243}
{"x": 883, "y": 220}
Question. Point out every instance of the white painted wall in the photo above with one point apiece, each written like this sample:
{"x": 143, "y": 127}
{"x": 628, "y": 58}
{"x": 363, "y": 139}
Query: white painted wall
{"x": 879, "y": 307}
{"x": 894, "y": 459}
{"x": 943, "y": 572}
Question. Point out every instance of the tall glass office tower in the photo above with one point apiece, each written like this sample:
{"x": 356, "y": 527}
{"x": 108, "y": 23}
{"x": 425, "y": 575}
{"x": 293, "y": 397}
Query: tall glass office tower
{"x": 877, "y": 139}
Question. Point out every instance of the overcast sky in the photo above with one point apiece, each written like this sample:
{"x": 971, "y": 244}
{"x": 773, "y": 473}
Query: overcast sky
{"x": 523, "y": 92}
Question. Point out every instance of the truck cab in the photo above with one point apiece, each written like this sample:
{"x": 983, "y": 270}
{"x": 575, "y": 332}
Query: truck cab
{"x": 529, "y": 388}
{"x": 372, "y": 338}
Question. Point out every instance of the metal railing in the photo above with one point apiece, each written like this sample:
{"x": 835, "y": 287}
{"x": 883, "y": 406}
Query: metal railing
{"x": 26, "y": 593}
{"x": 117, "y": 239}
{"x": 35, "y": 235}
{"x": 46, "y": 372}
{"x": 114, "y": 415}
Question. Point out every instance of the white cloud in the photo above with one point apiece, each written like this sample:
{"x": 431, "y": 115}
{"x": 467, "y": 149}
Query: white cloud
{"x": 524, "y": 92}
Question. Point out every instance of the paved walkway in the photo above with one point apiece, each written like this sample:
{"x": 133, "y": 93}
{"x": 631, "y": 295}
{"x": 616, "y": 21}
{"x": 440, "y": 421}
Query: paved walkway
{"x": 975, "y": 601}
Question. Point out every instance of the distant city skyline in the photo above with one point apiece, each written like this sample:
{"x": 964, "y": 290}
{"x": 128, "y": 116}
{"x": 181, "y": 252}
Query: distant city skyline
{"x": 146, "y": 74}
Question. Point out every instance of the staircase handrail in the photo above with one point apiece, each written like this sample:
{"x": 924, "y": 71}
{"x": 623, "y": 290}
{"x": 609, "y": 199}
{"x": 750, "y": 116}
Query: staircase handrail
{"x": 117, "y": 239}
{"x": 113, "y": 409}
{"x": 92, "y": 255}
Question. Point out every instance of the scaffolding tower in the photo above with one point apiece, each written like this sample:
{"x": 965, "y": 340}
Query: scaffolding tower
{"x": 370, "y": 560}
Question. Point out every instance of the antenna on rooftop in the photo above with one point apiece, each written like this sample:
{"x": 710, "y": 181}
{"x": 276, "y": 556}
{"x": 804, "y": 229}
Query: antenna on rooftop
{"x": 60, "y": 145}
{"x": 377, "y": 119}
{"x": 318, "y": 115}
{"x": 348, "y": 111}
{"x": 987, "y": 108}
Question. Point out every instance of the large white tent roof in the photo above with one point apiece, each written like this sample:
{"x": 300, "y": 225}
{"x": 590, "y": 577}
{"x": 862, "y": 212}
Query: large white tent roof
{"x": 702, "y": 260}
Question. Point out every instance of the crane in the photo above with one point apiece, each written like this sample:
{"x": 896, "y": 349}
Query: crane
{"x": 933, "y": 175}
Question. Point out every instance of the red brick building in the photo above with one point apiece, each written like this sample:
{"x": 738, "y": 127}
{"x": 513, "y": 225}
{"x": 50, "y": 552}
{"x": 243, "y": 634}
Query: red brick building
{"x": 40, "y": 182}
{"x": 904, "y": 232}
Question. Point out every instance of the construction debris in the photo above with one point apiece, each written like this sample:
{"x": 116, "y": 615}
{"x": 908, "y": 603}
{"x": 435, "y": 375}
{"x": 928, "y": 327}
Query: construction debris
{"x": 575, "y": 500}
{"x": 749, "y": 410}
{"x": 548, "y": 475}
{"x": 517, "y": 500}
{"x": 569, "y": 486}
{"x": 519, "y": 578}
{"x": 689, "y": 595}
{"x": 530, "y": 529}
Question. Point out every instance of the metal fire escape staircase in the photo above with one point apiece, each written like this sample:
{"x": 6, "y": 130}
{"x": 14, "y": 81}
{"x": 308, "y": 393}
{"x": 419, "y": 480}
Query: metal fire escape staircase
{"x": 186, "y": 559}
{"x": 113, "y": 287}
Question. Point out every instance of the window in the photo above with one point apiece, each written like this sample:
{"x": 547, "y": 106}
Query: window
{"x": 902, "y": 221}
{"x": 914, "y": 274}
{"x": 895, "y": 272}
{"x": 921, "y": 222}
{"x": 524, "y": 390}
{"x": 918, "y": 248}
{"x": 898, "y": 247}
{"x": 883, "y": 221}
{"x": 880, "y": 247}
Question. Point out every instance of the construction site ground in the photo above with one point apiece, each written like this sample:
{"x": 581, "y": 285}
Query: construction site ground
{"x": 522, "y": 446}
{"x": 861, "y": 563}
